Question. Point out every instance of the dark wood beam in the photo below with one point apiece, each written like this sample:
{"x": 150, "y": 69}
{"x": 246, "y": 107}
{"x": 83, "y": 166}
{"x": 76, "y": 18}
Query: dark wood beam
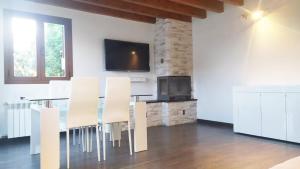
{"x": 235, "y": 2}
{"x": 137, "y": 9}
{"x": 212, "y": 5}
{"x": 97, "y": 9}
{"x": 171, "y": 7}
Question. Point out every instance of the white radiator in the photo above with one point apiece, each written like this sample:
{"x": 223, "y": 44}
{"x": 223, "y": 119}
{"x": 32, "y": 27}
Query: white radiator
{"x": 18, "y": 119}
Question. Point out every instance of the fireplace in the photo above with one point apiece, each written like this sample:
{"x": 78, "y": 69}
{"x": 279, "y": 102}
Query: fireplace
{"x": 174, "y": 88}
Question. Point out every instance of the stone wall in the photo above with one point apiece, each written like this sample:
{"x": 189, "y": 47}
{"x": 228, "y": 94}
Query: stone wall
{"x": 167, "y": 114}
{"x": 173, "y": 51}
{"x": 171, "y": 113}
{"x": 175, "y": 113}
{"x": 154, "y": 114}
{"x": 173, "y": 48}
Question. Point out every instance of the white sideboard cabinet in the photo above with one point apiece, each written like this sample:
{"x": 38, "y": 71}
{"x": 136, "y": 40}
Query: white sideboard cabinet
{"x": 272, "y": 112}
{"x": 248, "y": 120}
{"x": 293, "y": 116}
{"x": 273, "y": 115}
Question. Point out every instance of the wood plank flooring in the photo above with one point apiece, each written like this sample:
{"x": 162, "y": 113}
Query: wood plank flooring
{"x": 190, "y": 146}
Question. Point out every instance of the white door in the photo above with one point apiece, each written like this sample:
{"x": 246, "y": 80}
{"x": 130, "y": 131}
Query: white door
{"x": 293, "y": 117}
{"x": 273, "y": 115}
{"x": 248, "y": 113}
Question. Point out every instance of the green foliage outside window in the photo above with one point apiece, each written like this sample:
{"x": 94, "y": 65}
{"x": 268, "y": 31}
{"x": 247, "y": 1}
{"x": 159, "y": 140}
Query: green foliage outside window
{"x": 54, "y": 50}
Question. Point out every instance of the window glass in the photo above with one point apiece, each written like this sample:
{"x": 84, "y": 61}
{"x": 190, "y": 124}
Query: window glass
{"x": 24, "y": 47}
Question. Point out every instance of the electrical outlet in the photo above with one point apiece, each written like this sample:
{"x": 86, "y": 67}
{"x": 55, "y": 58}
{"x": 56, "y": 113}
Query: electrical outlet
{"x": 183, "y": 112}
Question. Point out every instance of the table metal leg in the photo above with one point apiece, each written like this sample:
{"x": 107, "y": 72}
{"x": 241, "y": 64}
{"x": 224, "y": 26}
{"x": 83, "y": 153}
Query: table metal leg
{"x": 48, "y": 103}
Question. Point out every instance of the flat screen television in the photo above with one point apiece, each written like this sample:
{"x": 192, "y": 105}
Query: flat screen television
{"x": 126, "y": 56}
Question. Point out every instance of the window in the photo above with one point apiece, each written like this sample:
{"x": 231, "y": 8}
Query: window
{"x": 38, "y": 48}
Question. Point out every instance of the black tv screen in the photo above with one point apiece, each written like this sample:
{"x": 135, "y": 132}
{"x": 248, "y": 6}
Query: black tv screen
{"x": 126, "y": 56}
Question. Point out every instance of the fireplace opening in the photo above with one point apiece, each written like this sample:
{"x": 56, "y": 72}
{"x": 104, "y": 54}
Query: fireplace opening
{"x": 174, "y": 88}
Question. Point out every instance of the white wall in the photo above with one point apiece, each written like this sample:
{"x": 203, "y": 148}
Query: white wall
{"x": 230, "y": 51}
{"x": 89, "y": 30}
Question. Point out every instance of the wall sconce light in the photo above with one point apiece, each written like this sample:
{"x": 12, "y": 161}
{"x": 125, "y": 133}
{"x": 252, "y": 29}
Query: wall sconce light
{"x": 255, "y": 15}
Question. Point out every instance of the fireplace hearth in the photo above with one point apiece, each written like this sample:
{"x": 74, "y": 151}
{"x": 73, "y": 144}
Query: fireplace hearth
{"x": 174, "y": 88}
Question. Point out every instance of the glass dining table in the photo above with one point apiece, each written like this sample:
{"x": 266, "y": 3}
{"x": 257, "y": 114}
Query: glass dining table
{"x": 48, "y": 102}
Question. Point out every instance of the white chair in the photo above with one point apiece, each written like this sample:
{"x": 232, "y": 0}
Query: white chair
{"x": 62, "y": 89}
{"x": 83, "y": 108}
{"x": 116, "y": 105}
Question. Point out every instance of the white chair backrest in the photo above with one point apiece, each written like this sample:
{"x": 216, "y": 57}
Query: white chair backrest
{"x": 83, "y": 103}
{"x": 117, "y": 100}
{"x": 59, "y": 89}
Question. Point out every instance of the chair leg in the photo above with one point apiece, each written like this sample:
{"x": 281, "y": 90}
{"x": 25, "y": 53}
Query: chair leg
{"x": 79, "y": 135}
{"x": 112, "y": 131}
{"x": 120, "y": 133}
{"x": 87, "y": 139}
{"x": 74, "y": 135}
{"x": 91, "y": 140}
{"x": 103, "y": 140}
{"x": 100, "y": 130}
{"x": 68, "y": 149}
{"x": 98, "y": 146}
{"x": 129, "y": 137}
{"x": 82, "y": 139}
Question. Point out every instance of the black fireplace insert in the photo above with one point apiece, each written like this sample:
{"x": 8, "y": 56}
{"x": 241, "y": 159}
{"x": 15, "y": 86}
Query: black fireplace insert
{"x": 174, "y": 88}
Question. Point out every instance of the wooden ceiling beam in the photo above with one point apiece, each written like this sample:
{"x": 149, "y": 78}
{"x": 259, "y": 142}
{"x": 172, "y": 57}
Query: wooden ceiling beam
{"x": 137, "y": 9}
{"x": 212, "y": 5}
{"x": 235, "y": 2}
{"x": 171, "y": 7}
{"x": 97, "y": 9}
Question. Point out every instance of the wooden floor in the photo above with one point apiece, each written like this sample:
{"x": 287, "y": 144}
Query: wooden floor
{"x": 191, "y": 146}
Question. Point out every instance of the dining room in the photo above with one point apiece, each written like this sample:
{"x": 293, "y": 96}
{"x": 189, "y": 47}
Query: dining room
{"x": 149, "y": 84}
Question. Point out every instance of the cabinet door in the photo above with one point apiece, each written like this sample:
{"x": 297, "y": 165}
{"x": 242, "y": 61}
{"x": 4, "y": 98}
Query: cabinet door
{"x": 273, "y": 115}
{"x": 293, "y": 117}
{"x": 248, "y": 113}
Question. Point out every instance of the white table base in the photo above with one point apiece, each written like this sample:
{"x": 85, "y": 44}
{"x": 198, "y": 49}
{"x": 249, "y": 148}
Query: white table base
{"x": 140, "y": 130}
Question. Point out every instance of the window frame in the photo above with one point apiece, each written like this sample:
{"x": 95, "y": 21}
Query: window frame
{"x": 40, "y": 19}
